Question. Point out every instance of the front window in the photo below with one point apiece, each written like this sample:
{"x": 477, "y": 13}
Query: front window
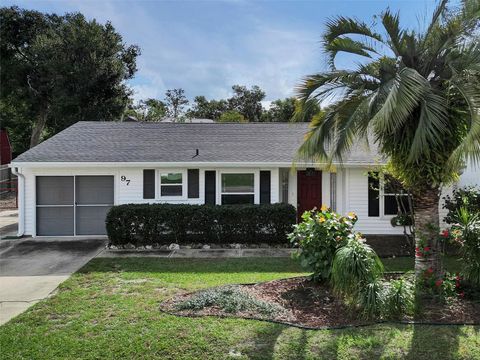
{"x": 238, "y": 189}
{"x": 171, "y": 184}
{"x": 386, "y": 196}
{"x": 395, "y": 198}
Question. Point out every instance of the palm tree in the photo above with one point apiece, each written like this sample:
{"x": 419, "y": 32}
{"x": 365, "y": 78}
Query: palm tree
{"x": 416, "y": 95}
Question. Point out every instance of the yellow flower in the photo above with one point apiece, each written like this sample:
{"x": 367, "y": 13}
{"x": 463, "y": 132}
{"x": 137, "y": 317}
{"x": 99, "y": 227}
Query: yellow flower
{"x": 324, "y": 207}
{"x": 351, "y": 214}
{"x": 321, "y": 219}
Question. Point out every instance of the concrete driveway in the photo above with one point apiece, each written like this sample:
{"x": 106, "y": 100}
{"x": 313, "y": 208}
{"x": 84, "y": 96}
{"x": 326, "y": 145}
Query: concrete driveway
{"x": 30, "y": 270}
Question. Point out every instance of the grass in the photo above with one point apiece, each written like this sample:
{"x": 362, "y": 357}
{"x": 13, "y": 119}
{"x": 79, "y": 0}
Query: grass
{"x": 451, "y": 263}
{"x": 109, "y": 310}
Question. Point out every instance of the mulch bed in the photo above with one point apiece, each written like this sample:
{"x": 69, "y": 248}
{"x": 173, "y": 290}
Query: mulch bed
{"x": 312, "y": 305}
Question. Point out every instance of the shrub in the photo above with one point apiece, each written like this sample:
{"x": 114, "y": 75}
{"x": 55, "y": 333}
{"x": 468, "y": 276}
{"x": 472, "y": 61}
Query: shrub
{"x": 466, "y": 232}
{"x": 399, "y": 298}
{"x": 371, "y": 298}
{"x": 356, "y": 275}
{"x": 354, "y": 266}
{"x": 143, "y": 224}
{"x": 231, "y": 299}
{"x": 467, "y": 197}
{"x": 318, "y": 236}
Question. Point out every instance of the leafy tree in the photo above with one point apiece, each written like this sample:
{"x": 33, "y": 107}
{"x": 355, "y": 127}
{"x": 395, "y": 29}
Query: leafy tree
{"x": 283, "y": 110}
{"x": 148, "y": 110}
{"x": 247, "y": 102}
{"x": 416, "y": 95}
{"x": 62, "y": 69}
{"x": 176, "y": 101}
{"x": 207, "y": 109}
{"x": 232, "y": 116}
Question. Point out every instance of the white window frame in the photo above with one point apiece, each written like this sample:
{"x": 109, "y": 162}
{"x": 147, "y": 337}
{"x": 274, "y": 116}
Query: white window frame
{"x": 382, "y": 195}
{"x": 159, "y": 182}
{"x": 256, "y": 184}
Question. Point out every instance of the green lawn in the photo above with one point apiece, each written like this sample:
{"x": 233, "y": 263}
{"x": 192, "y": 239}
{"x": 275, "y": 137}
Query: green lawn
{"x": 109, "y": 310}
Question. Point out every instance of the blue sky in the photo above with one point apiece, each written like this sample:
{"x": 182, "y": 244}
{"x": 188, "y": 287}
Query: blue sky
{"x": 205, "y": 47}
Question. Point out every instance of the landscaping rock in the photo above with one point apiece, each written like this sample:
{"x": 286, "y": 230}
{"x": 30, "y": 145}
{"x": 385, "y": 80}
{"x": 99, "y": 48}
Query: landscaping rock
{"x": 148, "y": 247}
{"x": 173, "y": 246}
{"x": 206, "y": 247}
{"x": 129, "y": 246}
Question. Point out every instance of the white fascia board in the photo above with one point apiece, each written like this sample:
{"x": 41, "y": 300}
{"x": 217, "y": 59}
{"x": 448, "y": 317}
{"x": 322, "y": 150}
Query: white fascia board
{"x": 181, "y": 164}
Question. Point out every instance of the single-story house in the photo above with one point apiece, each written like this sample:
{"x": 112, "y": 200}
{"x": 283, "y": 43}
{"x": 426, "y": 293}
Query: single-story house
{"x": 68, "y": 182}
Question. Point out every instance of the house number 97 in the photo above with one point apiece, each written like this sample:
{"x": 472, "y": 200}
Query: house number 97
{"x": 124, "y": 178}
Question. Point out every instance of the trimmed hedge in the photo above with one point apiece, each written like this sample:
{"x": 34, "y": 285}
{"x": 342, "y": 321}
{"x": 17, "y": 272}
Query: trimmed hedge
{"x": 146, "y": 224}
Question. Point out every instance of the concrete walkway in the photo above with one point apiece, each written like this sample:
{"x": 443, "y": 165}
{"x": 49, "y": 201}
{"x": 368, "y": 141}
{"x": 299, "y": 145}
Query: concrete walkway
{"x": 31, "y": 269}
{"x": 8, "y": 223}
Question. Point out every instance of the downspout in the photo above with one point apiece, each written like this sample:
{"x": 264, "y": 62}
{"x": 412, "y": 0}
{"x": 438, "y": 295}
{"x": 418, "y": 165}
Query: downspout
{"x": 21, "y": 201}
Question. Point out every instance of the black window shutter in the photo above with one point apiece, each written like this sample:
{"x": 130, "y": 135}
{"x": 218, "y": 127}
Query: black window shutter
{"x": 265, "y": 192}
{"x": 373, "y": 195}
{"x": 193, "y": 184}
{"x": 210, "y": 195}
{"x": 149, "y": 184}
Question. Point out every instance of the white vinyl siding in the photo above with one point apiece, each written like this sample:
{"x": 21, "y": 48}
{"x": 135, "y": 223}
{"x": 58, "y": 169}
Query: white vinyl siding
{"x": 126, "y": 192}
{"x": 356, "y": 191}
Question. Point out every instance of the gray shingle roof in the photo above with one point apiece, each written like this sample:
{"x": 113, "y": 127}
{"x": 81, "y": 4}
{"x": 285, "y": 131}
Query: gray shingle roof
{"x": 97, "y": 141}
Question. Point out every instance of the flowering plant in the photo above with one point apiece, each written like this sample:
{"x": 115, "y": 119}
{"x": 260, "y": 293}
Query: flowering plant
{"x": 423, "y": 249}
{"x": 318, "y": 236}
{"x": 447, "y": 287}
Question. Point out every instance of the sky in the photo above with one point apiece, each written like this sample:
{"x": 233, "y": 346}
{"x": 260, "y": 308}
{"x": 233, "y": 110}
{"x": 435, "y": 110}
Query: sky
{"x": 205, "y": 47}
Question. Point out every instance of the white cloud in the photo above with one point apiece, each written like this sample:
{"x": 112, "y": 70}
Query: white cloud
{"x": 208, "y": 53}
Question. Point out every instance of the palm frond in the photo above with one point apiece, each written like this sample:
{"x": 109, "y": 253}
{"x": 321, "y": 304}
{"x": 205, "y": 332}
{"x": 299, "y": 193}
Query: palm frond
{"x": 391, "y": 23}
{"x": 340, "y": 25}
{"x": 319, "y": 135}
{"x": 470, "y": 146}
{"x": 347, "y": 45}
{"x": 437, "y": 14}
{"x": 403, "y": 98}
{"x": 432, "y": 126}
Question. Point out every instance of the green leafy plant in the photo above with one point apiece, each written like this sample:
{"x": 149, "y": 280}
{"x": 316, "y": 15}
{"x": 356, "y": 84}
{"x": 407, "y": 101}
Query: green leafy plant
{"x": 355, "y": 265}
{"x": 318, "y": 236}
{"x": 356, "y": 275}
{"x": 371, "y": 298}
{"x": 399, "y": 298}
{"x": 143, "y": 224}
{"x": 231, "y": 299}
{"x": 466, "y": 197}
{"x": 466, "y": 232}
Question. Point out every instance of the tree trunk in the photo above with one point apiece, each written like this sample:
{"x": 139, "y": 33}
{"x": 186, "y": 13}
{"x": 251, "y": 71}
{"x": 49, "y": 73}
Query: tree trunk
{"x": 427, "y": 226}
{"x": 38, "y": 127}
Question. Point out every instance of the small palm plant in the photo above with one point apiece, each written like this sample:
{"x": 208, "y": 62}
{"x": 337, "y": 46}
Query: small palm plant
{"x": 416, "y": 96}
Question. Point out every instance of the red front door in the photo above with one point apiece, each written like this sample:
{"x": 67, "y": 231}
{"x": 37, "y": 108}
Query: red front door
{"x": 309, "y": 190}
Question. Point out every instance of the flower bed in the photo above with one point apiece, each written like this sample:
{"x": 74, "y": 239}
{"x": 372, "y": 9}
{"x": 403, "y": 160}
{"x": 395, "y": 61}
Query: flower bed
{"x": 301, "y": 302}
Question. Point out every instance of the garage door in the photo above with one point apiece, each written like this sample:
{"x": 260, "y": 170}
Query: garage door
{"x": 73, "y": 205}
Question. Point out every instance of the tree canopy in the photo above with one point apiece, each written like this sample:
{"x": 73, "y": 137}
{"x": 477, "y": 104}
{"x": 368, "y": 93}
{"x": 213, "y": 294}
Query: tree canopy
{"x": 147, "y": 110}
{"x": 57, "y": 70}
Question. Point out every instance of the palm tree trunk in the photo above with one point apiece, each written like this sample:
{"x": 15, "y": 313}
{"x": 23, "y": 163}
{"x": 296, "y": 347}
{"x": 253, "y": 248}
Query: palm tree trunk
{"x": 426, "y": 218}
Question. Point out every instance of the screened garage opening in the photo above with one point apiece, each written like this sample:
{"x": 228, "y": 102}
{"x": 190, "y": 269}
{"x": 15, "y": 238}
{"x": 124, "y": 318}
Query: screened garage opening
{"x": 73, "y": 205}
